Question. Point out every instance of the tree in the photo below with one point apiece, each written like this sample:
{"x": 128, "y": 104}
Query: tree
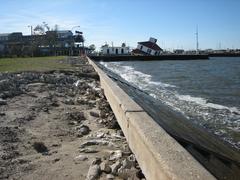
{"x": 45, "y": 36}
{"x": 92, "y": 47}
{"x": 39, "y": 30}
{"x": 45, "y": 25}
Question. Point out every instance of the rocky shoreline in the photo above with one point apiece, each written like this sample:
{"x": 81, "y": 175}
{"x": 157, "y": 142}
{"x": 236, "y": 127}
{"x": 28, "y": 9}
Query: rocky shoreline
{"x": 58, "y": 125}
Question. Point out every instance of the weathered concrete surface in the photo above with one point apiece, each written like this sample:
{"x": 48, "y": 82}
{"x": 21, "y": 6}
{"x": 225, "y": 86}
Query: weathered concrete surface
{"x": 158, "y": 154}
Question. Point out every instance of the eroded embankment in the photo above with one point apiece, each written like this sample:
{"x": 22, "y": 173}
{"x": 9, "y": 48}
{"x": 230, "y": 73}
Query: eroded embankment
{"x": 58, "y": 125}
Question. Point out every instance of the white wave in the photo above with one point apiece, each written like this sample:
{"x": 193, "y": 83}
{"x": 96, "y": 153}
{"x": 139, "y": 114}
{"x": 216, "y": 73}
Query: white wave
{"x": 203, "y": 102}
{"x": 192, "y": 99}
{"x": 144, "y": 81}
{"x": 153, "y": 95}
{"x": 136, "y": 77}
{"x": 162, "y": 84}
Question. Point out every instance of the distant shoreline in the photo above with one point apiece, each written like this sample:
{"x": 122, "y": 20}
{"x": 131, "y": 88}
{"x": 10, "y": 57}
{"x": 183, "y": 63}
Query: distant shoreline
{"x": 149, "y": 58}
{"x": 225, "y": 55}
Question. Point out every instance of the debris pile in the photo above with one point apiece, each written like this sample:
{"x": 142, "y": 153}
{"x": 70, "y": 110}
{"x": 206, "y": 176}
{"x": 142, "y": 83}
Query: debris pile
{"x": 58, "y": 124}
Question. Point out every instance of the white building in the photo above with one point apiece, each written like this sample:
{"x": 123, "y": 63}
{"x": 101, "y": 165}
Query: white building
{"x": 107, "y": 50}
{"x": 148, "y": 48}
{"x": 178, "y": 51}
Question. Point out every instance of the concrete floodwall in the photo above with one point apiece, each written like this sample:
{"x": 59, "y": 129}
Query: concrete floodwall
{"x": 158, "y": 154}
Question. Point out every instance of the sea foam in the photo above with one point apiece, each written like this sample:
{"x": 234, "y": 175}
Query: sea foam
{"x": 204, "y": 102}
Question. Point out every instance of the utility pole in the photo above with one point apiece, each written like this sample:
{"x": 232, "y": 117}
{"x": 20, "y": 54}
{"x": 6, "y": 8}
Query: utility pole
{"x": 31, "y": 39}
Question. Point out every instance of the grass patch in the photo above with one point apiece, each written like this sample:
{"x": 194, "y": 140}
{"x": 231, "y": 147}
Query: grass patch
{"x": 33, "y": 64}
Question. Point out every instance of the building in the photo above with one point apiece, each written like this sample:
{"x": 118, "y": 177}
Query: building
{"x": 64, "y": 38}
{"x": 3, "y": 39}
{"x": 148, "y": 48}
{"x": 178, "y": 51}
{"x": 64, "y": 34}
{"x": 50, "y": 43}
{"x": 123, "y": 50}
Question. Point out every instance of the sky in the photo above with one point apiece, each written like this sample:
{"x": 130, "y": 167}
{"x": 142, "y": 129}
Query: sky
{"x": 172, "y": 22}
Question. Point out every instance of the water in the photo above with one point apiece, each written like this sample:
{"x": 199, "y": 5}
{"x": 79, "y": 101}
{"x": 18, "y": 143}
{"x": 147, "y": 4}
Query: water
{"x": 206, "y": 92}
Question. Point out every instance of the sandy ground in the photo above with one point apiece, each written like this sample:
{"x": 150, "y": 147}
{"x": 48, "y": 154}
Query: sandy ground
{"x": 58, "y": 125}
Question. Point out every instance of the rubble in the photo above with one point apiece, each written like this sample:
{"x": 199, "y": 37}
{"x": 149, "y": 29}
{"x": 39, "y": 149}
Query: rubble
{"x": 94, "y": 114}
{"x": 65, "y": 116}
{"x": 89, "y": 150}
{"x": 95, "y": 142}
{"x": 75, "y": 116}
{"x": 105, "y": 167}
{"x": 115, "y": 167}
{"x": 110, "y": 177}
{"x": 115, "y": 155}
{"x": 2, "y": 114}
{"x": 3, "y": 102}
{"x": 78, "y": 159}
{"x": 82, "y": 130}
{"x": 94, "y": 170}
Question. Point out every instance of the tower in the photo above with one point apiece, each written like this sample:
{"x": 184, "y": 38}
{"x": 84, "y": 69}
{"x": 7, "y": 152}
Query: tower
{"x": 197, "y": 43}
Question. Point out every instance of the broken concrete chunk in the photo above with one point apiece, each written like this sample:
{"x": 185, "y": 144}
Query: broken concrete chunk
{"x": 83, "y": 130}
{"x": 100, "y": 135}
{"x": 115, "y": 155}
{"x": 110, "y": 177}
{"x": 69, "y": 102}
{"x": 94, "y": 114}
{"x": 3, "y": 102}
{"x": 88, "y": 150}
{"x": 94, "y": 142}
{"x": 105, "y": 167}
{"x": 89, "y": 143}
{"x": 97, "y": 160}
{"x": 128, "y": 173}
{"x": 93, "y": 172}
{"x": 115, "y": 167}
{"x": 128, "y": 163}
{"x": 80, "y": 158}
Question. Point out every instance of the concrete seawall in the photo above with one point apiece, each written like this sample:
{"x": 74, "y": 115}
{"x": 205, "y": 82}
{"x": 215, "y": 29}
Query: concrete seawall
{"x": 158, "y": 154}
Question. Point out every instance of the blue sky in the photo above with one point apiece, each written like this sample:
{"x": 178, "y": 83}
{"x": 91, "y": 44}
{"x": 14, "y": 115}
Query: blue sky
{"x": 172, "y": 22}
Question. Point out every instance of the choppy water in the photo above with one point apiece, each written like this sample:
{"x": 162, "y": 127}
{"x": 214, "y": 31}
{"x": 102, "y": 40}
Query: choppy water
{"x": 205, "y": 91}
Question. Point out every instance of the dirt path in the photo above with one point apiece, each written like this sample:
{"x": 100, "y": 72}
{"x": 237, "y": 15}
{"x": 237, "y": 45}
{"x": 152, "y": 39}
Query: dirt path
{"x": 58, "y": 125}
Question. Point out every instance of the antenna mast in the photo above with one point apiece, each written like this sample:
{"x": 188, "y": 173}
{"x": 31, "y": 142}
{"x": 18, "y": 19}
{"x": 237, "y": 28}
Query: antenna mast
{"x": 197, "y": 43}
